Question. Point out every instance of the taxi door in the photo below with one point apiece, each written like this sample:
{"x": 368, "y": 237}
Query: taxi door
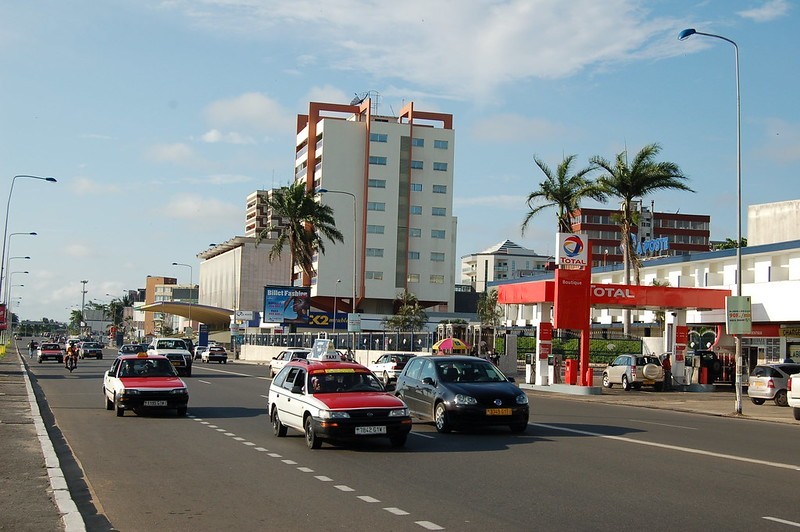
{"x": 291, "y": 405}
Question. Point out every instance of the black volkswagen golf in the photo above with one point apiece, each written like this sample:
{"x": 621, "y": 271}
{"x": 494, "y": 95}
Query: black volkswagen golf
{"x": 461, "y": 391}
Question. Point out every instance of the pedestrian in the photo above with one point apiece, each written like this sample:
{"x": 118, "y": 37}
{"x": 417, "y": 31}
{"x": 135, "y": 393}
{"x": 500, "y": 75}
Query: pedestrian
{"x": 667, "y": 365}
{"x": 31, "y": 348}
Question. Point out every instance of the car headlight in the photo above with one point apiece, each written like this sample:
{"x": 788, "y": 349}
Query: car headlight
{"x": 398, "y": 412}
{"x": 333, "y": 414}
{"x": 130, "y": 392}
{"x": 462, "y": 399}
{"x": 522, "y": 399}
{"x": 179, "y": 391}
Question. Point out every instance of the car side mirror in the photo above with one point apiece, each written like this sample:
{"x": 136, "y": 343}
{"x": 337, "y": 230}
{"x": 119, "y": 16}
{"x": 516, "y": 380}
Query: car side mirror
{"x": 390, "y": 387}
{"x": 511, "y": 379}
{"x": 428, "y": 380}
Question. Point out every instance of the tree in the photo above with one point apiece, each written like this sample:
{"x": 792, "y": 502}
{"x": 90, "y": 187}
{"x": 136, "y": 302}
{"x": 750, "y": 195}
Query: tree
{"x": 305, "y": 223}
{"x": 75, "y": 319}
{"x": 627, "y": 182}
{"x": 562, "y": 190}
{"x": 730, "y": 244}
{"x": 409, "y": 314}
{"x": 488, "y": 312}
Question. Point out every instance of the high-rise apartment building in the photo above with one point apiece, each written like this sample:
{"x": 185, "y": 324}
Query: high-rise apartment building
{"x": 502, "y": 261}
{"x": 389, "y": 180}
{"x": 156, "y": 289}
{"x": 258, "y": 215}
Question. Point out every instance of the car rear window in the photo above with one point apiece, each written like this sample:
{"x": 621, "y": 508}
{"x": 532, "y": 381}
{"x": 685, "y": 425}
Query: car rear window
{"x": 50, "y": 347}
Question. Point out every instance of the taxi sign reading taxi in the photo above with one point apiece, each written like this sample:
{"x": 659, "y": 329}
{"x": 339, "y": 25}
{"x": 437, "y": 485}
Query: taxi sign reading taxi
{"x": 738, "y": 315}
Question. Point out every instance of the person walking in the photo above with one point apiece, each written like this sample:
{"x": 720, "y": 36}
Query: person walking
{"x": 31, "y": 348}
{"x": 667, "y": 365}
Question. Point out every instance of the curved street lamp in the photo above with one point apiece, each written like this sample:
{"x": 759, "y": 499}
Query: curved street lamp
{"x": 683, "y": 35}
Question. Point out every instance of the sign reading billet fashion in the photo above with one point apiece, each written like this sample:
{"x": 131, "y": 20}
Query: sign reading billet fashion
{"x": 286, "y": 304}
{"x": 572, "y": 250}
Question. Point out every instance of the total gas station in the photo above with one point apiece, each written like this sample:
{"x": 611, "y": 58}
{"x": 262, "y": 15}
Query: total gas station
{"x": 565, "y": 302}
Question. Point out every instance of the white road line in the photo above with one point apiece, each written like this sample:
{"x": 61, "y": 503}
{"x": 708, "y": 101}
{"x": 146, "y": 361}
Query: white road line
{"x": 275, "y": 455}
{"x": 323, "y": 478}
{"x": 421, "y": 435}
{"x": 367, "y": 498}
{"x": 261, "y": 449}
{"x": 239, "y": 438}
{"x": 229, "y": 433}
{"x": 249, "y": 443}
{"x": 674, "y": 448}
{"x": 232, "y": 373}
{"x": 221, "y": 430}
{"x": 305, "y": 469}
{"x": 289, "y": 462}
{"x": 662, "y": 424}
{"x": 212, "y": 426}
{"x": 265, "y": 396}
{"x": 204, "y": 382}
{"x": 782, "y": 521}
{"x": 396, "y": 511}
{"x": 344, "y": 488}
{"x": 428, "y": 525}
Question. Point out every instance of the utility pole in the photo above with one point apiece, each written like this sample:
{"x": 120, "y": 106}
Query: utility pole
{"x": 83, "y": 307}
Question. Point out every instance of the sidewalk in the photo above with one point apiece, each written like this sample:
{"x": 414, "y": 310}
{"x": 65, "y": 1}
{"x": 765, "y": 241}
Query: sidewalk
{"x": 35, "y": 494}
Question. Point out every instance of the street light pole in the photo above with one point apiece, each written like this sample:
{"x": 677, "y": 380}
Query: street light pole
{"x": 191, "y": 289}
{"x": 83, "y": 307}
{"x": 4, "y": 283}
{"x": 335, "y": 299}
{"x": 685, "y": 34}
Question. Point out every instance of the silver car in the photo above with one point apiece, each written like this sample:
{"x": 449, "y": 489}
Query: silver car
{"x": 633, "y": 371}
{"x": 769, "y": 382}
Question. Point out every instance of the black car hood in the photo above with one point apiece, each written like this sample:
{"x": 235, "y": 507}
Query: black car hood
{"x": 482, "y": 389}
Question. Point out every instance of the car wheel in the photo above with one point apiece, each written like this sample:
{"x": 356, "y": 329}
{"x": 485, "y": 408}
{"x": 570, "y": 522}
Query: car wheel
{"x": 182, "y": 411}
{"x": 311, "y": 438}
{"x": 637, "y": 385}
{"x": 109, "y": 402}
{"x": 518, "y": 427}
{"x": 757, "y": 401}
{"x": 398, "y": 441}
{"x": 120, "y": 410}
{"x": 796, "y": 412}
{"x": 606, "y": 381}
{"x": 625, "y": 384}
{"x": 385, "y": 378}
{"x": 440, "y": 418}
{"x": 278, "y": 428}
{"x": 781, "y": 399}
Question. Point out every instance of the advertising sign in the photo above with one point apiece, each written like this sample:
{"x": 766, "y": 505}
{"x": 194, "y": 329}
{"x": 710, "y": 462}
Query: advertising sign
{"x": 738, "y": 315}
{"x": 571, "y": 305}
{"x": 3, "y": 323}
{"x": 353, "y": 322}
{"x": 572, "y": 250}
{"x": 286, "y": 304}
{"x": 243, "y": 315}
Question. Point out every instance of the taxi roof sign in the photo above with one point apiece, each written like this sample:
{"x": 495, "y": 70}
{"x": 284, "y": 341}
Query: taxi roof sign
{"x": 323, "y": 350}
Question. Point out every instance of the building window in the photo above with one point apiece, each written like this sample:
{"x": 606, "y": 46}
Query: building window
{"x": 416, "y": 187}
{"x": 415, "y": 209}
{"x": 413, "y": 255}
{"x": 437, "y": 167}
{"x": 439, "y": 189}
{"x": 376, "y": 183}
{"x": 375, "y": 229}
{"x": 374, "y": 252}
{"x": 376, "y": 276}
{"x": 413, "y": 277}
{"x": 415, "y": 232}
{"x": 437, "y": 279}
{"x": 416, "y": 165}
{"x": 376, "y": 206}
{"x": 440, "y": 144}
{"x": 378, "y": 137}
{"x": 418, "y": 143}
{"x": 437, "y": 233}
{"x": 439, "y": 211}
{"x": 374, "y": 159}
{"x": 437, "y": 256}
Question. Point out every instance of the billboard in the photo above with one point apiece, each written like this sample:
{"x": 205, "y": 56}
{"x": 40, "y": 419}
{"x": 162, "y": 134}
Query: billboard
{"x": 286, "y": 305}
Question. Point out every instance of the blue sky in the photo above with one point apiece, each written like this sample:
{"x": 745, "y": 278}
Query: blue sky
{"x": 159, "y": 117}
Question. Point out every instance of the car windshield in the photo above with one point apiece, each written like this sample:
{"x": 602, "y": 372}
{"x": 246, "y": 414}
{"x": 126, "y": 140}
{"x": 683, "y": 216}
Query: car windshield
{"x": 343, "y": 382}
{"x": 643, "y": 361}
{"x": 468, "y": 371}
{"x": 147, "y": 368}
{"x": 90, "y": 345}
{"x": 170, "y": 344}
{"x": 131, "y": 349}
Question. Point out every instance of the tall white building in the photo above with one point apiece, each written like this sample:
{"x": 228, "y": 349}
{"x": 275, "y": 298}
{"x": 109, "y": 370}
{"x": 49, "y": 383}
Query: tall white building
{"x": 389, "y": 180}
{"x": 505, "y": 260}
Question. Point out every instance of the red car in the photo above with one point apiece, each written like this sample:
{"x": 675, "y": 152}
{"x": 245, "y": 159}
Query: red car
{"x": 50, "y": 352}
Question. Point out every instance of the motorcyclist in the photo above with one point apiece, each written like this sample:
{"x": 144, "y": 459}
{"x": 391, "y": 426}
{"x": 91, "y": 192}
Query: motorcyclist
{"x": 72, "y": 352}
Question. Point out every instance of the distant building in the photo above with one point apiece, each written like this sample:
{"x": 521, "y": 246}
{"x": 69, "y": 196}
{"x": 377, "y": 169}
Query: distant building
{"x": 502, "y": 261}
{"x": 258, "y": 215}
{"x": 672, "y": 233}
{"x": 155, "y": 290}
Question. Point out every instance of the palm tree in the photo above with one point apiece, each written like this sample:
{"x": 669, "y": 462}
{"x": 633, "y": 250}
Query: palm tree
{"x": 305, "y": 222}
{"x": 731, "y": 244}
{"x": 562, "y": 190}
{"x": 409, "y": 314}
{"x": 628, "y": 182}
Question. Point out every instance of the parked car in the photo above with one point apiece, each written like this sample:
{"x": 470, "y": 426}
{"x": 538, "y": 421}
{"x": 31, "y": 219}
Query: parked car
{"x": 333, "y": 400}
{"x": 770, "y": 382}
{"x": 389, "y": 366}
{"x": 284, "y": 357}
{"x": 461, "y": 391}
{"x": 633, "y": 371}
{"x": 793, "y": 394}
{"x": 215, "y": 353}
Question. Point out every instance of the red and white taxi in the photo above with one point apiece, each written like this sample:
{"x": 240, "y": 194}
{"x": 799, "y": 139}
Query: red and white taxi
{"x": 142, "y": 381}
{"x": 328, "y": 400}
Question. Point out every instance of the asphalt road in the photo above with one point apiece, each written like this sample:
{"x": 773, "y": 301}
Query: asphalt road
{"x": 580, "y": 466}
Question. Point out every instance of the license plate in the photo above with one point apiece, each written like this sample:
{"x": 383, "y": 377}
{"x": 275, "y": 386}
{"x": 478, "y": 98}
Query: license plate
{"x": 758, "y": 384}
{"x": 649, "y": 382}
{"x": 155, "y": 403}
{"x": 498, "y": 411}
{"x": 371, "y": 430}
{"x": 176, "y": 363}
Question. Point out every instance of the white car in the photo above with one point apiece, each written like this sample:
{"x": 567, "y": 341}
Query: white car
{"x": 175, "y": 350}
{"x": 632, "y": 371}
{"x": 793, "y": 394}
{"x": 199, "y": 350}
{"x": 284, "y": 357}
{"x": 389, "y": 366}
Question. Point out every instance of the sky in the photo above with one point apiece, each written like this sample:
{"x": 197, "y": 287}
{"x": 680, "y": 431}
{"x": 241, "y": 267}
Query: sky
{"x": 159, "y": 117}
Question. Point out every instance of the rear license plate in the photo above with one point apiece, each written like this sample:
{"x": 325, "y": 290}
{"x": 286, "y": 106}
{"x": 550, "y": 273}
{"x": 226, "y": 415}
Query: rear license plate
{"x": 498, "y": 411}
{"x": 176, "y": 363}
{"x": 649, "y": 382}
{"x": 155, "y": 403}
{"x": 758, "y": 384}
{"x": 371, "y": 430}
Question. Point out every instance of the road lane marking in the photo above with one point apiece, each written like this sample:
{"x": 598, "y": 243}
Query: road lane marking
{"x": 220, "y": 430}
{"x": 428, "y": 525}
{"x": 421, "y": 435}
{"x": 236, "y": 373}
{"x": 238, "y": 438}
{"x": 289, "y": 462}
{"x": 204, "y": 382}
{"x": 396, "y": 511}
{"x": 323, "y": 478}
{"x": 782, "y": 521}
{"x": 688, "y": 450}
{"x": 275, "y": 455}
{"x": 305, "y": 469}
{"x": 261, "y": 450}
{"x": 229, "y": 433}
{"x": 662, "y": 424}
{"x": 249, "y": 443}
{"x": 342, "y": 487}
{"x": 367, "y": 498}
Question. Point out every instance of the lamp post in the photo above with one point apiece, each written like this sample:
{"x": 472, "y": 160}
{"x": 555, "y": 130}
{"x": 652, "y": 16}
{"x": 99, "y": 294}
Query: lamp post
{"x": 82, "y": 324}
{"x": 8, "y": 261}
{"x": 4, "y": 280}
{"x": 8, "y": 293}
{"x": 335, "y": 299}
{"x": 8, "y": 207}
{"x": 191, "y": 289}
{"x": 685, "y": 34}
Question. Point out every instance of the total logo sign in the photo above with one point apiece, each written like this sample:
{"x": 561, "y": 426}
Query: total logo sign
{"x": 571, "y": 250}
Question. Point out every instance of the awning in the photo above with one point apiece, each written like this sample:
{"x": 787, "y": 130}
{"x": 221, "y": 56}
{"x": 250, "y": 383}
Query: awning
{"x": 202, "y": 313}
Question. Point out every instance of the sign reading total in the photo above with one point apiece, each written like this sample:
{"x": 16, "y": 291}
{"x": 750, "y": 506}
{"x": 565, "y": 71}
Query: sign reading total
{"x": 572, "y": 250}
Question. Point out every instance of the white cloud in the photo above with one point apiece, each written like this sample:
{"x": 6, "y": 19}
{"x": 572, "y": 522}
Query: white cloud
{"x": 215, "y": 135}
{"x": 201, "y": 210}
{"x": 327, "y": 93}
{"x": 510, "y": 127}
{"x": 78, "y": 250}
{"x": 172, "y": 153}
{"x": 251, "y": 111}
{"x": 85, "y": 186}
{"x": 771, "y": 10}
